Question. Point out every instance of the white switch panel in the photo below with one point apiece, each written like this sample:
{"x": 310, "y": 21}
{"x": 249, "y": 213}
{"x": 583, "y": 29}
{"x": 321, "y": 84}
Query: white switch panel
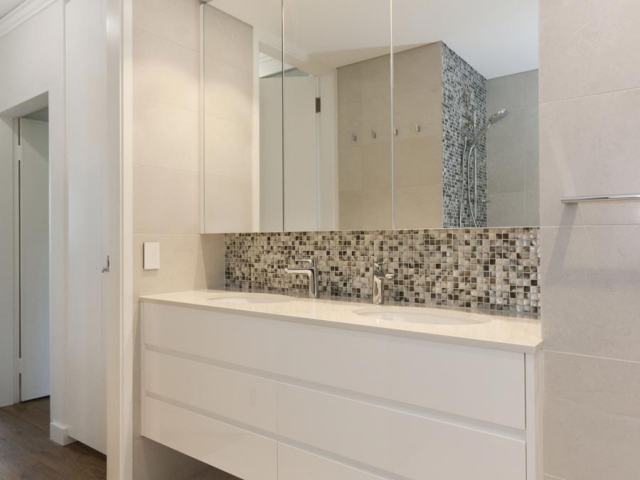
{"x": 151, "y": 256}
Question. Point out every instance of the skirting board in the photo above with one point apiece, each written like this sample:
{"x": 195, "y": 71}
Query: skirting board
{"x": 60, "y": 434}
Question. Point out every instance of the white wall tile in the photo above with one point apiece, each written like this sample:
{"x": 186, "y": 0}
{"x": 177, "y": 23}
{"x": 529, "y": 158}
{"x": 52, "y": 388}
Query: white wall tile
{"x": 164, "y": 136}
{"x": 376, "y": 209}
{"x": 376, "y": 166}
{"x": 350, "y": 169}
{"x": 350, "y": 210}
{"x": 175, "y": 20}
{"x": 418, "y": 68}
{"x": 228, "y": 204}
{"x": 590, "y": 280}
{"x": 228, "y": 148}
{"x": 228, "y": 91}
{"x": 165, "y": 71}
{"x": 588, "y": 47}
{"x": 228, "y": 40}
{"x": 590, "y": 146}
{"x": 592, "y": 418}
{"x": 418, "y": 162}
{"x": 165, "y": 200}
{"x": 418, "y": 207}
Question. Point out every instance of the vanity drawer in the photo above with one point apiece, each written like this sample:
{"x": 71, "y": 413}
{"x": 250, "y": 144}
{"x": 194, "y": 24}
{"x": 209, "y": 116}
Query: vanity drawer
{"x": 296, "y": 464}
{"x": 237, "y": 396}
{"x": 477, "y": 383}
{"x": 399, "y": 442}
{"x": 233, "y": 450}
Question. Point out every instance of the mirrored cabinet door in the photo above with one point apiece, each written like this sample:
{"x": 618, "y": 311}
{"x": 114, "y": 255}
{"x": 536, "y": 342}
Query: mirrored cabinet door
{"x": 337, "y": 114}
{"x": 465, "y": 114}
{"x": 242, "y": 116}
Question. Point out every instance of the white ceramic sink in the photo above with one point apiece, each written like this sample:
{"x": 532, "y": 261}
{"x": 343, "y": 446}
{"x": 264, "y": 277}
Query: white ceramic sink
{"x": 248, "y": 298}
{"x": 421, "y": 315}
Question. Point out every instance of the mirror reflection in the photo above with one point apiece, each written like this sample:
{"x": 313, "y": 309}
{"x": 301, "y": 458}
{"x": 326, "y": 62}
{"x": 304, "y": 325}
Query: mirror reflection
{"x": 340, "y": 134}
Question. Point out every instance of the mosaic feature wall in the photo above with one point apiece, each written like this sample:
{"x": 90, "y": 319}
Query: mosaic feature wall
{"x": 464, "y": 92}
{"x": 496, "y": 269}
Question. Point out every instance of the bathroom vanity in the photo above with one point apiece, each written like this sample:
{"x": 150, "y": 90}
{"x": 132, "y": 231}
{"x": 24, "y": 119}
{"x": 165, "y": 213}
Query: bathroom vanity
{"x": 269, "y": 387}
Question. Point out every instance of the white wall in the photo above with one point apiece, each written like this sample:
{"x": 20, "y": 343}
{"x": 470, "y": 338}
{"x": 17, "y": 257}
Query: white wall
{"x": 7, "y": 394}
{"x": 32, "y": 59}
{"x": 589, "y": 144}
{"x": 62, "y": 51}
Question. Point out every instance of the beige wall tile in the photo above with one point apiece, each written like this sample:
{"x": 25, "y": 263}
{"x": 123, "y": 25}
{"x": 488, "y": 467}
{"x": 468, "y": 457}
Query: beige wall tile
{"x": 350, "y": 84}
{"x": 505, "y": 171}
{"x": 376, "y": 117}
{"x": 175, "y": 20}
{"x": 506, "y": 209}
{"x": 590, "y": 146}
{"x": 588, "y": 47}
{"x": 350, "y": 168}
{"x": 418, "y": 207}
{"x": 350, "y": 211}
{"x": 228, "y": 40}
{"x": 228, "y": 204}
{"x": 590, "y": 279}
{"x": 375, "y": 79}
{"x": 422, "y": 107}
{"x": 350, "y": 124}
{"x": 164, "y": 71}
{"x": 376, "y": 166}
{"x": 228, "y": 148}
{"x": 165, "y": 200}
{"x": 418, "y": 68}
{"x": 592, "y": 418}
{"x": 228, "y": 92}
{"x": 376, "y": 209}
{"x": 164, "y": 136}
{"x": 418, "y": 162}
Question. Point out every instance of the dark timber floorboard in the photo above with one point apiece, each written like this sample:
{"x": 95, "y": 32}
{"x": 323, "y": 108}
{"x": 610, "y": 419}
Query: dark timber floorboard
{"x": 26, "y": 453}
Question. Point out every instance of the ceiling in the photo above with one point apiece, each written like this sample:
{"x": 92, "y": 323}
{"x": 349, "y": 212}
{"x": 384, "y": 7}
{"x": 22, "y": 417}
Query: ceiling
{"x": 7, "y": 6}
{"x": 497, "y": 37}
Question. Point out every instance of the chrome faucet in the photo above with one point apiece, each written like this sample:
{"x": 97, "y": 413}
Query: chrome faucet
{"x": 378, "y": 282}
{"x": 311, "y": 272}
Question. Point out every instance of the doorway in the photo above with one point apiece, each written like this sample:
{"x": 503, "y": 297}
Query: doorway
{"x": 32, "y": 161}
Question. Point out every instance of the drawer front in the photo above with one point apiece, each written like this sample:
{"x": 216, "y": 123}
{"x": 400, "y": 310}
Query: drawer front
{"x": 237, "y": 396}
{"x": 398, "y": 442}
{"x": 233, "y": 450}
{"x": 478, "y": 383}
{"x": 296, "y": 464}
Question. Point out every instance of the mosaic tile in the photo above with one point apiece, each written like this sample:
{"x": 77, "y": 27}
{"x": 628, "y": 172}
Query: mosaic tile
{"x": 487, "y": 268}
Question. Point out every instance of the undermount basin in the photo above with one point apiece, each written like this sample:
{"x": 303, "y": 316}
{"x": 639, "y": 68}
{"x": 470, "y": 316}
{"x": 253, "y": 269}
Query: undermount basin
{"x": 249, "y": 298}
{"x": 421, "y": 315}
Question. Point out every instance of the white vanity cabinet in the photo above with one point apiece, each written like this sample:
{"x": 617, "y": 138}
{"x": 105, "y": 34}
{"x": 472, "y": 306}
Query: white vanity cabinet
{"x": 265, "y": 398}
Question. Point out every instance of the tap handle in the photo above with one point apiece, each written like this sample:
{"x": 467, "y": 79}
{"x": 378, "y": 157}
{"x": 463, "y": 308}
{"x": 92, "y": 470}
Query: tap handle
{"x": 310, "y": 261}
{"x": 377, "y": 264}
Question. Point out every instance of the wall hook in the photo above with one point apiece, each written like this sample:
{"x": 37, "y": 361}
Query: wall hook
{"x": 374, "y": 134}
{"x": 355, "y": 137}
{"x": 418, "y": 128}
{"x": 395, "y": 132}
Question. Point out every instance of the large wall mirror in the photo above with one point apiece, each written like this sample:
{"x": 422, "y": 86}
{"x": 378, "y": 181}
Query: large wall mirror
{"x": 367, "y": 114}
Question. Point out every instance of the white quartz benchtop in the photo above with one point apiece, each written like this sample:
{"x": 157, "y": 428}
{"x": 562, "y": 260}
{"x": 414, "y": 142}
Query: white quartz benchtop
{"x": 499, "y": 331}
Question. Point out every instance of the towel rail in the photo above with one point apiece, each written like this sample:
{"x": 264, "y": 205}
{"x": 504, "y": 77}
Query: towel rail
{"x": 601, "y": 198}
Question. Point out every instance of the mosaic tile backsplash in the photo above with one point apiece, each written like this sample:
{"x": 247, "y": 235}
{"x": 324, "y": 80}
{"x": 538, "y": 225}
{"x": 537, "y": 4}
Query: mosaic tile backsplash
{"x": 493, "y": 268}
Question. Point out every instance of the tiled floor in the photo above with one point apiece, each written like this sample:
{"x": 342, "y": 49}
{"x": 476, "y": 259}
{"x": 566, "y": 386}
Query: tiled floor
{"x": 27, "y": 453}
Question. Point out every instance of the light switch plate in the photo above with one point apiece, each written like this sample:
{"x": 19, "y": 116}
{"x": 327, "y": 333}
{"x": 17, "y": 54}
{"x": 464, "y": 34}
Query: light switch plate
{"x": 151, "y": 256}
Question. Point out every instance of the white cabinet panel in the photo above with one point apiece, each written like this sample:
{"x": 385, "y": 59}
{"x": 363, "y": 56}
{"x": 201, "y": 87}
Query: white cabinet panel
{"x": 237, "y": 396}
{"x": 233, "y": 450}
{"x": 234, "y": 339}
{"x": 408, "y": 445}
{"x": 296, "y": 464}
{"x": 473, "y": 382}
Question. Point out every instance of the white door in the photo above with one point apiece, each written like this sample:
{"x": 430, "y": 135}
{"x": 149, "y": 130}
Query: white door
{"x": 271, "y": 207}
{"x": 300, "y": 155}
{"x": 34, "y": 259}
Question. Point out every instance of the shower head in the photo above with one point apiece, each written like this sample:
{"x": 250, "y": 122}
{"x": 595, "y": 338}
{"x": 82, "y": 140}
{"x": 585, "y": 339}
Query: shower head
{"x": 495, "y": 118}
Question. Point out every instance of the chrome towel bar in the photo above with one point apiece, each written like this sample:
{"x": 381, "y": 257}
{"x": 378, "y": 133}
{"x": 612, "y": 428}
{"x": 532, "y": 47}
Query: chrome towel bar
{"x": 600, "y": 198}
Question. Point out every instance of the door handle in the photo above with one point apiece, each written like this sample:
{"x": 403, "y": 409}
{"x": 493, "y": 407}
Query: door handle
{"x": 108, "y": 267}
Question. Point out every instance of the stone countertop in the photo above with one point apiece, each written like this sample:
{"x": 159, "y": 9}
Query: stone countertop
{"x": 494, "y": 330}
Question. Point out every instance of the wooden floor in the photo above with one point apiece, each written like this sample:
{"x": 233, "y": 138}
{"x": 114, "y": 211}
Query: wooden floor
{"x": 26, "y": 453}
